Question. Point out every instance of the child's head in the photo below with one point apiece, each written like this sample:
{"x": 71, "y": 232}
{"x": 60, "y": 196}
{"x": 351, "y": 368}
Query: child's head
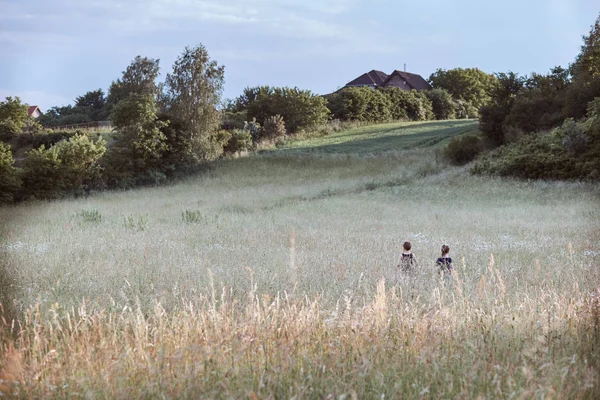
{"x": 445, "y": 250}
{"x": 407, "y": 246}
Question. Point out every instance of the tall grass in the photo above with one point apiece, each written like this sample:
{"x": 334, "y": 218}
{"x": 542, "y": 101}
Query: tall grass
{"x": 286, "y": 286}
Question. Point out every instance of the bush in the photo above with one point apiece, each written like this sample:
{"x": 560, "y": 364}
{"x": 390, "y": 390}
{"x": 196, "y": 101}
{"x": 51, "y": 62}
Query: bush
{"x": 300, "y": 109}
{"x": 9, "y": 181}
{"x": 70, "y": 165}
{"x": 463, "y": 150}
{"x": 253, "y": 128}
{"x": 49, "y": 138}
{"x": 231, "y": 120}
{"x": 239, "y": 141}
{"x": 442, "y": 103}
{"x": 273, "y": 128}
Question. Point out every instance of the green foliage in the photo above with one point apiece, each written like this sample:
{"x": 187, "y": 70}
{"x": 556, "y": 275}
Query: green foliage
{"x": 301, "y": 109}
{"x": 254, "y": 129}
{"x": 470, "y": 85}
{"x": 139, "y": 78}
{"x": 569, "y": 152}
{"x": 239, "y": 141}
{"x": 136, "y": 223}
{"x": 49, "y": 138}
{"x": 68, "y": 115}
{"x": 370, "y": 105}
{"x": 463, "y": 150}
{"x": 70, "y": 165}
{"x": 191, "y": 95}
{"x": 90, "y": 216}
{"x": 442, "y": 103}
{"x": 233, "y": 120}
{"x": 93, "y": 104}
{"x": 192, "y": 217}
{"x": 273, "y": 128}
{"x": 503, "y": 96}
{"x": 13, "y": 117}
{"x": 9, "y": 180}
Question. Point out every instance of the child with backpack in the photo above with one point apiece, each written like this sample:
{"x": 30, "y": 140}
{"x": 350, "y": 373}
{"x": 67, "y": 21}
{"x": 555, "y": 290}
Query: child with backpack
{"x": 408, "y": 261}
{"x": 445, "y": 262}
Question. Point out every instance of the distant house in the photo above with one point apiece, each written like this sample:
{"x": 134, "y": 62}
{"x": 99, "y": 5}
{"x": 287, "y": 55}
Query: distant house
{"x": 34, "y": 112}
{"x": 400, "y": 79}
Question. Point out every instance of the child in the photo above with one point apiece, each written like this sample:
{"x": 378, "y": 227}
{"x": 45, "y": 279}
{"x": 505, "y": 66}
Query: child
{"x": 407, "y": 260}
{"x": 445, "y": 262}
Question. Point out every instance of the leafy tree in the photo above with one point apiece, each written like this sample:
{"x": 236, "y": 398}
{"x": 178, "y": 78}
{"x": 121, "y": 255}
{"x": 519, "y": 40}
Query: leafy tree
{"x": 139, "y": 78}
{"x": 442, "y": 103}
{"x": 503, "y": 95}
{"x": 470, "y": 85}
{"x": 13, "y": 116}
{"x": 301, "y": 109}
{"x": 140, "y": 145}
{"x": 9, "y": 181}
{"x": 93, "y": 104}
{"x": 67, "y": 115}
{"x": 240, "y": 140}
{"x": 586, "y": 75}
{"x": 191, "y": 95}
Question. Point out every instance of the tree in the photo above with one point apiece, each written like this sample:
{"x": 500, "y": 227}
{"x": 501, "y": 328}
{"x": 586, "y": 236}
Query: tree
{"x": 9, "y": 181}
{"x": 13, "y": 116}
{"x": 140, "y": 144}
{"x": 470, "y": 85}
{"x": 191, "y": 95}
{"x": 139, "y": 78}
{"x": 300, "y": 109}
{"x": 443, "y": 105}
{"x": 503, "y": 96}
{"x": 586, "y": 75}
{"x": 93, "y": 104}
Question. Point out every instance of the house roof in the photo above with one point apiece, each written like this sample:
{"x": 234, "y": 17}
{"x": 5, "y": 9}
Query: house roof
{"x": 379, "y": 78}
{"x": 371, "y": 78}
{"x": 32, "y": 109}
{"x": 413, "y": 80}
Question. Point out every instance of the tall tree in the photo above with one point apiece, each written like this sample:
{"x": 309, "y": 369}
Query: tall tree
{"x": 192, "y": 93}
{"x": 93, "y": 104}
{"x": 13, "y": 115}
{"x": 139, "y": 78}
{"x": 470, "y": 85}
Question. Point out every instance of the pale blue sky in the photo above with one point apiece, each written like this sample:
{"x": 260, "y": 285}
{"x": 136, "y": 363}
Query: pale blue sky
{"x": 53, "y": 51}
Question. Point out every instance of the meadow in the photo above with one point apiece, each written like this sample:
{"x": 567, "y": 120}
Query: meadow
{"x": 274, "y": 276}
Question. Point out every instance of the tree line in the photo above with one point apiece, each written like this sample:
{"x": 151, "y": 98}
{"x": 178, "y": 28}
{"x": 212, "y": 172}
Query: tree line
{"x": 537, "y": 126}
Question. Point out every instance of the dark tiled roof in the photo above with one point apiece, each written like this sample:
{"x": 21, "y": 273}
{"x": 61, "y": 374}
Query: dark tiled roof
{"x": 379, "y": 78}
{"x": 415, "y": 81}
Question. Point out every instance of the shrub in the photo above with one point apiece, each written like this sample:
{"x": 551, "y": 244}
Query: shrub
{"x": 253, "y": 128}
{"x": 231, "y": 120}
{"x": 70, "y": 165}
{"x": 9, "y": 181}
{"x": 192, "y": 217}
{"x": 239, "y": 141}
{"x": 463, "y": 150}
{"x": 273, "y": 128}
{"x": 574, "y": 138}
{"x": 301, "y": 109}
{"x": 49, "y": 138}
{"x": 442, "y": 103}
{"x": 90, "y": 216}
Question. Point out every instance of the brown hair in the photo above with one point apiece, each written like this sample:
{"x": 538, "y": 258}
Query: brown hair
{"x": 407, "y": 246}
{"x": 445, "y": 249}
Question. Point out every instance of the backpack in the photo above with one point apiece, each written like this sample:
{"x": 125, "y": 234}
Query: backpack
{"x": 407, "y": 262}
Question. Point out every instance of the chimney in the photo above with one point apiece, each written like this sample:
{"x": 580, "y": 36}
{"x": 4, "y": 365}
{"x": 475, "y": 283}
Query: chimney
{"x": 404, "y": 67}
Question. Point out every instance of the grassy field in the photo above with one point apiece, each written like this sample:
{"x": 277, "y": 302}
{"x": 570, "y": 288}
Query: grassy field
{"x": 274, "y": 276}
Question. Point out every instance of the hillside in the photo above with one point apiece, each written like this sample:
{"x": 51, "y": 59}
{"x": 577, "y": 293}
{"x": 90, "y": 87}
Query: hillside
{"x": 274, "y": 276}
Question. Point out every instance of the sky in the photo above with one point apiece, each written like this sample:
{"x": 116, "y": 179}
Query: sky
{"x": 52, "y": 51}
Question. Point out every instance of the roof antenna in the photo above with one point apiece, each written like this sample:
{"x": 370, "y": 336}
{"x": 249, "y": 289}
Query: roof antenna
{"x": 404, "y": 67}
